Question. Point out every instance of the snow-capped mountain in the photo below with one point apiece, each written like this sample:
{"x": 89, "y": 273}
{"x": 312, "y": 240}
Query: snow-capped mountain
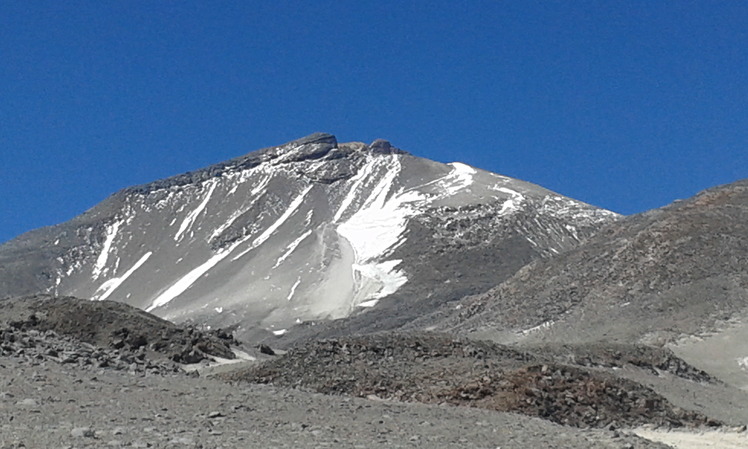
{"x": 306, "y": 231}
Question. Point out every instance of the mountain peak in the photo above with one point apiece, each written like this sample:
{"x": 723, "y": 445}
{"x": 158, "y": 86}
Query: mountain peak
{"x": 313, "y": 146}
{"x": 315, "y": 138}
{"x": 303, "y": 231}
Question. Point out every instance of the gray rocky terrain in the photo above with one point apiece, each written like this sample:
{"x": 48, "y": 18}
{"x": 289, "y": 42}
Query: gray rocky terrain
{"x": 574, "y": 386}
{"x": 114, "y": 326}
{"x": 666, "y": 273}
{"x": 56, "y": 393}
{"x": 673, "y": 276}
{"x": 56, "y": 406}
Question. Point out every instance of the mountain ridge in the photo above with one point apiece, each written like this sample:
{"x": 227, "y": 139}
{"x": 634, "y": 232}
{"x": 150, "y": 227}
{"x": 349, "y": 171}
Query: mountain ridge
{"x": 673, "y": 277}
{"x": 308, "y": 230}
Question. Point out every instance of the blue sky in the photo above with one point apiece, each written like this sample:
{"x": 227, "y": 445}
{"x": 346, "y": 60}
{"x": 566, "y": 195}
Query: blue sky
{"x": 627, "y": 105}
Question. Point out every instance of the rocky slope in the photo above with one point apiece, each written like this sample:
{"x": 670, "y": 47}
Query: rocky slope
{"x": 660, "y": 277}
{"x": 59, "y": 391}
{"x": 301, "y": 233}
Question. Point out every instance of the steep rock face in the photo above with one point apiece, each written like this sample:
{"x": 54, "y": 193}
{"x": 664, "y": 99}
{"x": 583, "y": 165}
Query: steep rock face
{"x": 307, "y": 231}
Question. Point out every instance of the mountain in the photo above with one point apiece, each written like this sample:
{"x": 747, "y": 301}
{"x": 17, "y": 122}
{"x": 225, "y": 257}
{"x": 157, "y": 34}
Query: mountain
{"x": 304, "y": 232}
{"x": 672, "y": 276}
{"x": 313, "y": 246}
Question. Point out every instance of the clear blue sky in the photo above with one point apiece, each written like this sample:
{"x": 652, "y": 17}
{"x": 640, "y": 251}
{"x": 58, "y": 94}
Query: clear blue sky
{"x": 626, "y": 105}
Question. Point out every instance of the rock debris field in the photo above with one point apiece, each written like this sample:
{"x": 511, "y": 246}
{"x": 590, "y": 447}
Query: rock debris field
{"x": 57, "y": 391}
{"x": 52, "y": 405}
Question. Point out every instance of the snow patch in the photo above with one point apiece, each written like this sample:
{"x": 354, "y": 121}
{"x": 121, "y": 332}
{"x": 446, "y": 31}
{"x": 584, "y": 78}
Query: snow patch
{"x": 226, "y": 224}
{"x": 108, "y": 287}
{"x": 280, "y": 332}
{"x": 743, "y": 363}
{"x": 293, "y": 288}
{"x": 357, "y": 181}
{"x": 238, "y": 213}
{"x": 278, "y": 223}
{"x": 378, "y": 225}
{"x": 368, "y": 304}
{"x": 291, "y": 248}
{"x": 192, "y": 216}
{"x": 377, "y": 228}
{"x": 513, "y": 203}
{"x": 111, "y": 232}
{"x": 459, "y": 178}
{"x": 537, "y": 328}
{"x": 241, "y": 356}
{"x": 384, "y": 275}
{"x": 186, "y": 281}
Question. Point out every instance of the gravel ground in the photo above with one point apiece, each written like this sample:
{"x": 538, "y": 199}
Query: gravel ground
{"x": 50, "y": 405}
{"x": 681, "y": 439}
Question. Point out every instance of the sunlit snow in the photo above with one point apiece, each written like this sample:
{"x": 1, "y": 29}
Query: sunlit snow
{"x": 459, "y": 178}
{"x": 539, "y": 327}
{"x": 356, "y": 183}
{"x": 111, "y": 233}
{"x": 377, "y": 228}
{"x": 186, "y": 281}
{"x": 743, "y": 363}
{"x": 513, "y": 203}
{"x": 192, "y": 216}
{"x": 108, "y": 287}
{"x": 292, "y": 247}
{"x": 293, "y": 288}
{"x": 278, "y": 223}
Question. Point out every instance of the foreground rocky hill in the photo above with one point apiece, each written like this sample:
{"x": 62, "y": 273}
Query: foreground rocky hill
{"x": 48, "y": 406}
{"x": 136, "y": 335}
{"x": 574, "y": 386}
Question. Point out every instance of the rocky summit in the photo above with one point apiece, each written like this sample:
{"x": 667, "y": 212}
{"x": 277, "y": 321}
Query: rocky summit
{"x": 325, "y": 294}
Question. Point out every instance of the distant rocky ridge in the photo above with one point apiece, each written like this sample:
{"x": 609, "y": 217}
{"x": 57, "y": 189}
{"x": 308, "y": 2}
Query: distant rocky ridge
{"x": 653, "y": 277}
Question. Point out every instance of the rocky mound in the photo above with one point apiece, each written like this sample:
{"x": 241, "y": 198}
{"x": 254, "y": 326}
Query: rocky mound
{"x": 117, "y": 326}
{"x": 437, "y": 368}
{"x": 618, "y": 355}
{"x": 36, "y": 348}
